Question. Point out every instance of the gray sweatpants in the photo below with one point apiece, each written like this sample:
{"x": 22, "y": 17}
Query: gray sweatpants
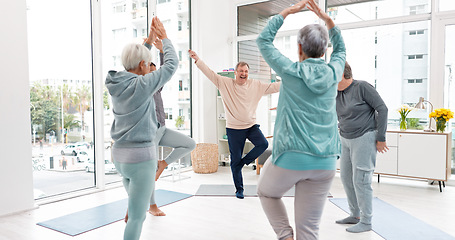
{"x": 181, "y": 144}
{"x": 358, "y": 159}
{"x": 311, "y": 188}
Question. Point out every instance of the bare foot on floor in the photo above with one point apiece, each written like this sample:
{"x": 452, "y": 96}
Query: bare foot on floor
{"x": 161, "y": 166}
{"x": 155, "y": 211}
{"x": 126, "y": 217}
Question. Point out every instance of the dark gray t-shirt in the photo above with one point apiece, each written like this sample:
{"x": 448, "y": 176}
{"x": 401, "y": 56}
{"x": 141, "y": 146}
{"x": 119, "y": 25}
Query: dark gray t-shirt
{"x": 360, "y": 109}
{"x": 159, "y": 109}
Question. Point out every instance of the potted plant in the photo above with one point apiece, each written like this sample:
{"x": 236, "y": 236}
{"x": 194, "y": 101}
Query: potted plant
{"x": 179, "y": 121}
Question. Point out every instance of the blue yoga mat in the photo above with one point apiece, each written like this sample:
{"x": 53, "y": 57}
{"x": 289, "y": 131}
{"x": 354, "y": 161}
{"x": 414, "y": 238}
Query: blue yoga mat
{"x": 86, "y": 220}
{"x": 392, "y": 223}
{"x": 229, "y": 190}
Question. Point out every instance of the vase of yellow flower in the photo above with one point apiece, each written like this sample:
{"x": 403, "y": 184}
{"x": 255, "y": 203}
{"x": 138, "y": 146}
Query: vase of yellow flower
{"x": 404, "y": 110}
{"x": 441, "y": 116}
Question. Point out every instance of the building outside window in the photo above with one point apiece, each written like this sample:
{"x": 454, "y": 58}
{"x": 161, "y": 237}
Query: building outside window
{"x": 413, "y": 10}
{"x": 168, "y": 113}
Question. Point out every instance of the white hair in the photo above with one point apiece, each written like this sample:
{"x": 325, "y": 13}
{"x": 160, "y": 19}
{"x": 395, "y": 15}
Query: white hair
{"x": 133, "y": 54}
{"x": 313, "y": 38}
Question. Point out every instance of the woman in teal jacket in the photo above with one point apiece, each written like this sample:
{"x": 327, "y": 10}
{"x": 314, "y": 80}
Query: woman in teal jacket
{"x": 306, "y": 143}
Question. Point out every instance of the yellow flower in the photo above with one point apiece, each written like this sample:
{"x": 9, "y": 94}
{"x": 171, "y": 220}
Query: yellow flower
{"x": 441, "y": 114}
{"x": 404, "y": 110}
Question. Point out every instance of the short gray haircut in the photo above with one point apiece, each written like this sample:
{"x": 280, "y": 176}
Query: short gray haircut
{"x": 241, "y": 64}
{"x": 133, "y": 54}
{"x": 313, "y": 38}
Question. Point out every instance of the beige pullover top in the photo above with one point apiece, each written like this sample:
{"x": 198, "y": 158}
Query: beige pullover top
{"x": 240, "y": 101}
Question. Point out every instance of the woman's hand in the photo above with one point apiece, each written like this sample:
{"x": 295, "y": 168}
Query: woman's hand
{"x": 159, "y": 45}
{"x": 321, "y": 14}
{"x": 158, "y": 28}
{"x": 152, "y": 36}
{"x": 193, "y": 55}
{"x": 381, "y": 147}
{"x": 294, "y": 8}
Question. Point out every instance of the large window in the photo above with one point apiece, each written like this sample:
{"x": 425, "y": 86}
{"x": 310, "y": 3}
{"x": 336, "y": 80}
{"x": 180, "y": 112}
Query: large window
{"x": 59, "y": 43}
{"x": 372, "y": 10}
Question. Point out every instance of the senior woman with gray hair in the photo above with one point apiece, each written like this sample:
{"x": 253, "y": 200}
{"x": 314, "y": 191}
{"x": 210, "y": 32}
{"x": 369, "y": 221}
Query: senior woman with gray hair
{"x": 306, "y": 143}
{"x": 135, "y": 124}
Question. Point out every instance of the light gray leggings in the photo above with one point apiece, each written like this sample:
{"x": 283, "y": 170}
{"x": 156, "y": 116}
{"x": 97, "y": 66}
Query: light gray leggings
{"x": 137, "y": 166}
{"x": 358, "y": 159}
{"x": 181, "y": 144}
{"x": 311, "y": 188}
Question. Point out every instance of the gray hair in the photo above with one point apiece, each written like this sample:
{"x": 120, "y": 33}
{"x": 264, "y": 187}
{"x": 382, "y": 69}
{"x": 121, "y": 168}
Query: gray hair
{"x": 347, "y": 71}
{"x": 133, "y": 54}
{"x": 241, "y": 64}
{"x": 313, "y": 38}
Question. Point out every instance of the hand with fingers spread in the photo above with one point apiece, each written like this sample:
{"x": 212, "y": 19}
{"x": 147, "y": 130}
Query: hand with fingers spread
{"x": 193, "y": 55}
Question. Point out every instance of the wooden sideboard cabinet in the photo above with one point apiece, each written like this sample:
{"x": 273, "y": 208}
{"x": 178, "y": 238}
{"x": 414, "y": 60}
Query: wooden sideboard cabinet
{"x": 417, "y": 154}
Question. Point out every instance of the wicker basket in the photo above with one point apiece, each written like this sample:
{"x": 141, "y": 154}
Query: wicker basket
{"x": 205, "y": 158}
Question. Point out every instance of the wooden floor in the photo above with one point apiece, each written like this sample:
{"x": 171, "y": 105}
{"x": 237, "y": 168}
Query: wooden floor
{"x": 230, "y": 218}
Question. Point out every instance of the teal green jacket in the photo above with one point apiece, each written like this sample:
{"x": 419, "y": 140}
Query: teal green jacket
{"x": 306, "y": 121}
{"x": 135, "y": 122}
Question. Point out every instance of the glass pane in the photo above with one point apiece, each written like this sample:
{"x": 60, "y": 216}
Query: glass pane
{"x": 176, "y": 93}
{"x": 449, "y": 93}
{"x": 59, "y": 34}
{"x": 378, "y": 10}
{"x": 446, "y": 5}
{"x": 123, "y": 22}
{"x": 396, "y": 62}
{"x": 298, "y": 21}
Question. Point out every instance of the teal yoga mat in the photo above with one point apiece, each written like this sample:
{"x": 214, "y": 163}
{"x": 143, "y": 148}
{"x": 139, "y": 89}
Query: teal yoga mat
{"x": 86, "y": 220}
{"x": 392, "y": 223}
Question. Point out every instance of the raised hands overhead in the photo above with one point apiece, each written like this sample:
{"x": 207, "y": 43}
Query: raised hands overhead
{"x": 152, "y": 36}
{"x": 158, "y": 28}
{"x": 294, "y": 8}
{"x": 193, "y": 55}
{"x": 320, "y": 13}
{"x": 312, "y": 6}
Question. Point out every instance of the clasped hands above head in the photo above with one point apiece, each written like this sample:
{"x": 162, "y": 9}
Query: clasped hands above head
{"x": 157, "y": 31}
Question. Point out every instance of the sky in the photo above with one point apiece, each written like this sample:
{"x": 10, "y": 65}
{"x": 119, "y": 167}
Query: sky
{"x": 59, "y": 34}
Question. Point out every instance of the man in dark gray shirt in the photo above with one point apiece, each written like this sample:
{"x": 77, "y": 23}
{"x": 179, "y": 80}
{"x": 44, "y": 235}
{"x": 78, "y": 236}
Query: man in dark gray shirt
{"x": 362, "y": 118}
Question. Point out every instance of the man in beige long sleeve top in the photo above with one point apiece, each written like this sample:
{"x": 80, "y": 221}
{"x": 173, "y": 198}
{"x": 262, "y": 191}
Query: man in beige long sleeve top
{"x": 240, "y": 97}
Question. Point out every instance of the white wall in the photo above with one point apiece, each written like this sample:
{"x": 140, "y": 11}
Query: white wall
{"x": 212, "y": 32}
{"x": 16, "y": 179}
